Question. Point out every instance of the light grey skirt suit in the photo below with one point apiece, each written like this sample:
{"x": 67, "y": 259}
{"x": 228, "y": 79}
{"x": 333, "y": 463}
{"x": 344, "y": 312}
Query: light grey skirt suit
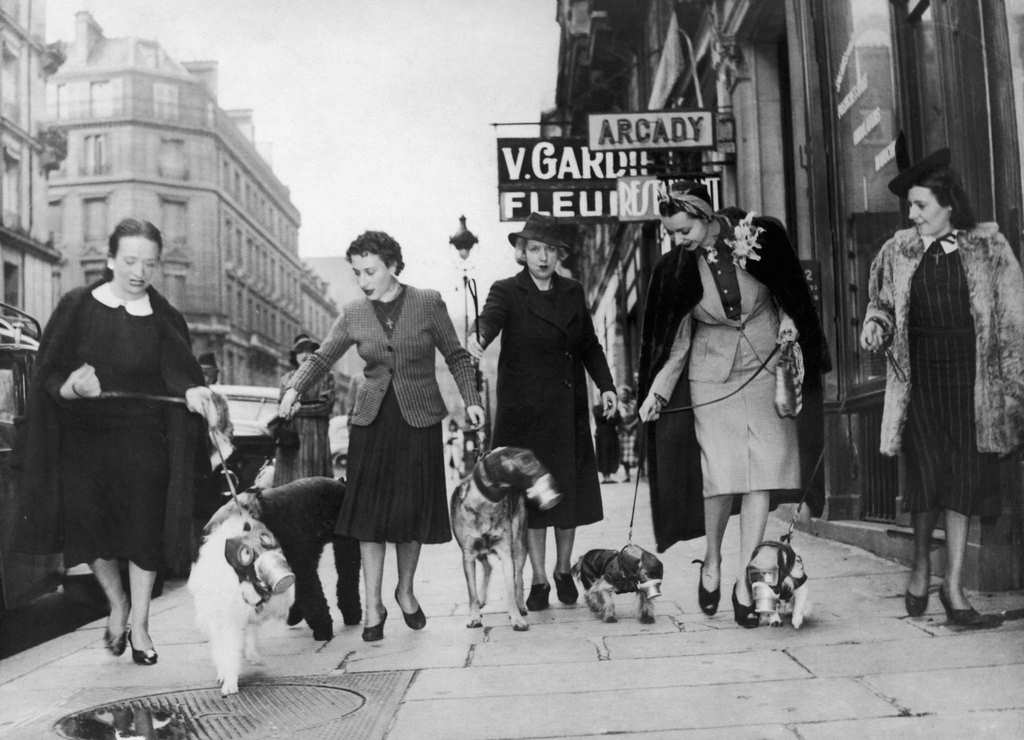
{"x": 744, "y": 444}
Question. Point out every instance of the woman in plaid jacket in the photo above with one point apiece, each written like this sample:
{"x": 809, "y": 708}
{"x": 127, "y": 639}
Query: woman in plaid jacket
{"x": 396, "y": 487}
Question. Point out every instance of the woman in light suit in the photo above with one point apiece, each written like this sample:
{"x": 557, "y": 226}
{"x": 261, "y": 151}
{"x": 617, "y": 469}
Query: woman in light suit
{"x": 396, "y": 486}
{"x": 714, "y": 315}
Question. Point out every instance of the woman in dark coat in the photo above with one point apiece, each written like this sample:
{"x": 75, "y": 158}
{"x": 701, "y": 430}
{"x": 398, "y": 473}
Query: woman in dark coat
{"x": 110, "y": 479}
{"x": 949, "y": 295}
{"x": 548, "y": 344}
{"x": 716, "y": 307}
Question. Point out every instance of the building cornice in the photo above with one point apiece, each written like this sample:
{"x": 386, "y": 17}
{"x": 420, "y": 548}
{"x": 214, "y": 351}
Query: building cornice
{"x": 30, "y": 245}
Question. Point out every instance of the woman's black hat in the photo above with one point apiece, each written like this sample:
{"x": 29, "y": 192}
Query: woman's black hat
{"x": 914, "y": 174}
{"x": 543, "y": 229}
{"x": 302, "y": 343}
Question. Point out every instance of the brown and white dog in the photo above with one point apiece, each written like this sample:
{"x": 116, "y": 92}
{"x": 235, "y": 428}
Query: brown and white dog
{"x": 778, "y": 583}
{"x": 488, "y": 511}
{"x": 632, "y": 569}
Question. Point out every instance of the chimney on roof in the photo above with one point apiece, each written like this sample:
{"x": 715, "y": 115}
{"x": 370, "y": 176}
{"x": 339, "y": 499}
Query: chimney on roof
{"x": 242, "y": 118}
{"x": 206, "y": 72}
{"x": 88, "y": 33}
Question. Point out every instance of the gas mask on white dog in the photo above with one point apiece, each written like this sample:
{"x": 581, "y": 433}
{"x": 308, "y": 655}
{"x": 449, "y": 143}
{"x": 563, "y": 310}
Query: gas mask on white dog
{"x": 256, "y": 558}
{"x": 768, "y": 574}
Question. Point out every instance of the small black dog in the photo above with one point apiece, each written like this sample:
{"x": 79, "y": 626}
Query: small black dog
{"x": 302, "y": 514}
{"x": 632, "y": 569}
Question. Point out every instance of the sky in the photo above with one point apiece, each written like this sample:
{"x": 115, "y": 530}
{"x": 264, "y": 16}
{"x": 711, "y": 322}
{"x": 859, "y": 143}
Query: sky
{"x": 378, "y": 112}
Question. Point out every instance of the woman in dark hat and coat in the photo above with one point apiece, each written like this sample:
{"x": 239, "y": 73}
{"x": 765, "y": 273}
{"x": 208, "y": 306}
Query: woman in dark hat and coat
{"x": 717, "y": 305}
{"x": 949, "y": 297}
{"x": 311, "y": 422}
{"x": 548, "y": 345}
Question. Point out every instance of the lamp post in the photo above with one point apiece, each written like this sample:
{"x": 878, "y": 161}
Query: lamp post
{"x": 464, "y": 240}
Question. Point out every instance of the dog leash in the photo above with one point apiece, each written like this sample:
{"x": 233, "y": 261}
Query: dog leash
{"x": 229, "y": 476}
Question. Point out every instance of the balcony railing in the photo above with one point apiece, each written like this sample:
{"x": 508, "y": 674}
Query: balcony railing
{"x": 11, "y": 110}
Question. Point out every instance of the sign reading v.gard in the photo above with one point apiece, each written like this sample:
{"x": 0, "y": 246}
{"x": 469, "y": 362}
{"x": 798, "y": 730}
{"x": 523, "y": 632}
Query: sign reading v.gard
{"x": 678, "y": 129}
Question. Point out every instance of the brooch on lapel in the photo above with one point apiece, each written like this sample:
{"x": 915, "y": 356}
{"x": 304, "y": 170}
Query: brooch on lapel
{"x": 744, "y": 244}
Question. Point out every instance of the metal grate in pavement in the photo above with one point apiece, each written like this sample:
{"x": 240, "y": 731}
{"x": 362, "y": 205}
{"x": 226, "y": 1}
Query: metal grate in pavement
{"x": 349, "y": 705}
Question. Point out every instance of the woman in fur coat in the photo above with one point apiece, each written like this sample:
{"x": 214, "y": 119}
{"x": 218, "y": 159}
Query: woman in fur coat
{"x": 716, "y": 308}
{"x": 949, "y": 296}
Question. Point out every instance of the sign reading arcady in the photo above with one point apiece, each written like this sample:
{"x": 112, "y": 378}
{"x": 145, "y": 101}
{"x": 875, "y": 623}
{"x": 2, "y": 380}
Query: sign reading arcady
{"x": 679, "y": 129}
{"x": 563, "y": 178}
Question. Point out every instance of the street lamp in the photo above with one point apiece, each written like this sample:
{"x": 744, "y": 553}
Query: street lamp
{"x": 464, "y": 240}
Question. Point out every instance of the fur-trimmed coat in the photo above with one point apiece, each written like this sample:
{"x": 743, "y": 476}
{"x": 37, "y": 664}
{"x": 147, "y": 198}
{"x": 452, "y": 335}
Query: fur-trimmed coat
{"x": 672, "y": 451}
{"x": 996, "y": 289}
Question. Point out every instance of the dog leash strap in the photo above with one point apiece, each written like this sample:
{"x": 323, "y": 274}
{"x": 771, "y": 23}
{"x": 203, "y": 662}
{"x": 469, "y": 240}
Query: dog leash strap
{"x": 748, "y": 381}
{"x": 636, "y": 486}
{"x": 807, "y": 489}
{"x": 142, "y": 396}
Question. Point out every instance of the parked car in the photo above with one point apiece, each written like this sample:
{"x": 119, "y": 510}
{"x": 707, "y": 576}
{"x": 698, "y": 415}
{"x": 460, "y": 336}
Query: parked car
{"x": 251, "y": 408}
{"x": 22, "y": 577}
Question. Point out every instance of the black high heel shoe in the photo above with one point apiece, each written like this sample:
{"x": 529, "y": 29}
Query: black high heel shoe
{"x": 916, "y": 605}
{"x": 142, "y": 657}
{"x": 376, "y": 632}
{"x": 745, "y": 616}
{"x": 708, "y": 600}
{"x": 415, "y": 621}
{"x": 116, "y": 645}
{"x": 967, "y": 617}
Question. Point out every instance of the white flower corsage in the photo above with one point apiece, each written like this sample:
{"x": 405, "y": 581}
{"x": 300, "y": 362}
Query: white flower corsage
{"x": 744, "y": 243}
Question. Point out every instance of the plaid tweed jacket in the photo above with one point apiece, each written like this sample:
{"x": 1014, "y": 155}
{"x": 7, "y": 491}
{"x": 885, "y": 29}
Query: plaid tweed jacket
{"x": 405, "y": 361}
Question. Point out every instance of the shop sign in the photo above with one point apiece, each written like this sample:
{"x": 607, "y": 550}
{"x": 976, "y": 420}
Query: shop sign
{"x": 563, "y": 178}
{"x": 679, "y": 129}
{"x": 638, "y": 196}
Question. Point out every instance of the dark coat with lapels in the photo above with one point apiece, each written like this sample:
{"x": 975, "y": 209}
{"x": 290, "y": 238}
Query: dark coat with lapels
{"x": 38, "y": 447}
{"x": 673, "y": 455}
{"x": 548, "y": 345}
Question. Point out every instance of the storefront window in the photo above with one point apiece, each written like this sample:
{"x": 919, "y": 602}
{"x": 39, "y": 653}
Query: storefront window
{"x": 865, "y": 119}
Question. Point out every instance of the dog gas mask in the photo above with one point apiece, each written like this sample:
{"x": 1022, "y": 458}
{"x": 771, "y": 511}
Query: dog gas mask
{"x": 257, "y": 559}
{"x": 769, "y": 575}
{"x": 505, "y": 469}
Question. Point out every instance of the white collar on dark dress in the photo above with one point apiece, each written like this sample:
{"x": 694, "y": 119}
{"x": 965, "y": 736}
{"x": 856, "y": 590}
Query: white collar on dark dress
{"x": 136, "y": 307}
{"x": 949, "y": 245}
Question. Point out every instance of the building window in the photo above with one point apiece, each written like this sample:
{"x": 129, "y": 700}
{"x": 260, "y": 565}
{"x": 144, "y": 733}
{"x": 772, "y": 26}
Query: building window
{"x": 10, "y": 84}
{"x": 171, "y": 160}
{"x": 239, "y": 257}
{"x": 55, "y": 221}
{"x": 12, "y": 190}
{"x": 165, "y": 100}
{"x": 63, "y": 103}
{"x": 101, "y": 102}
{"x": 94, "y": 218}
{"x": 174, "y": 220}
{"x": 94, "y": 155}
{"x": 12, "y": 284}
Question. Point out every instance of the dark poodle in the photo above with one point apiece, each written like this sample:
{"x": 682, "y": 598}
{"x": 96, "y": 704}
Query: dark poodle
{"x": 302, "y": 515}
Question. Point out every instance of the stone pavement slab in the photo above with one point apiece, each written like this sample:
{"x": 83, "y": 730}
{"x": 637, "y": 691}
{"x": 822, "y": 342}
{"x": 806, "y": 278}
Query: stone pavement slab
{"x": 933, "y": 727}
{"x": 934, "y": 654}
{"x": 866, "y": 630}
{"x": 637, "y": 710}
{"x": 608, "y": 675}
{"x": 954, "y": 689}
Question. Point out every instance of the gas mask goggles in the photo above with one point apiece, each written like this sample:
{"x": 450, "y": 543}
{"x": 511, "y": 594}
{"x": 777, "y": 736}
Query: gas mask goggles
{"x": 768, "y": 574}
{"x": 256, "y": 557}
{"x": 640, "y": 566}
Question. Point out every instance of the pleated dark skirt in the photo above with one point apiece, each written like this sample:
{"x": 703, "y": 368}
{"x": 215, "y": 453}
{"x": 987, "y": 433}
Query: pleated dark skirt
{"x": 396, "y": 486}
{"x": 944, "y": 468}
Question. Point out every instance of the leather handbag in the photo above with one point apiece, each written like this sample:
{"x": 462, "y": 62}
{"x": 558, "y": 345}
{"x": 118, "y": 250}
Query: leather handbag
{"x": 789, "y": 380}
{"x": 284, "y": 433}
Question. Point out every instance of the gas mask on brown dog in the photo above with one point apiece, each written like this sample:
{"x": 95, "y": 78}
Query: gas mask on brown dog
{"x": 256, "y": 558}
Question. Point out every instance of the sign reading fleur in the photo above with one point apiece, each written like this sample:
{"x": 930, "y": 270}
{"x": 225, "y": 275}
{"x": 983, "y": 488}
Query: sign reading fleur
{"x": 678, "y": 129}
{"x": 563, "y": 178}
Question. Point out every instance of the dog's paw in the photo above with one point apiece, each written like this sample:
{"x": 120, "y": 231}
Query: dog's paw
{"x": 524, "y": 612}
{"x": 323, "y": 634}
{"x": 229, "y": 686}
{"x": 475, "y": 621}
{"x": 774, "y": 620}
{"x": 520, "y": 625}
{"x": 646, "y": 618}
{"x": 610, "y": 619}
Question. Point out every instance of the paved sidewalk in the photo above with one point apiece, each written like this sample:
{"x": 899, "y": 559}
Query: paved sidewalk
{"x": 858, "y": 668}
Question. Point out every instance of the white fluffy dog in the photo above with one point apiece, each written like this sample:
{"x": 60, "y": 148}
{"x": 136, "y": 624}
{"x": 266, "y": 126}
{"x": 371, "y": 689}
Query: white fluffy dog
{"x": 239, "y": 580}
